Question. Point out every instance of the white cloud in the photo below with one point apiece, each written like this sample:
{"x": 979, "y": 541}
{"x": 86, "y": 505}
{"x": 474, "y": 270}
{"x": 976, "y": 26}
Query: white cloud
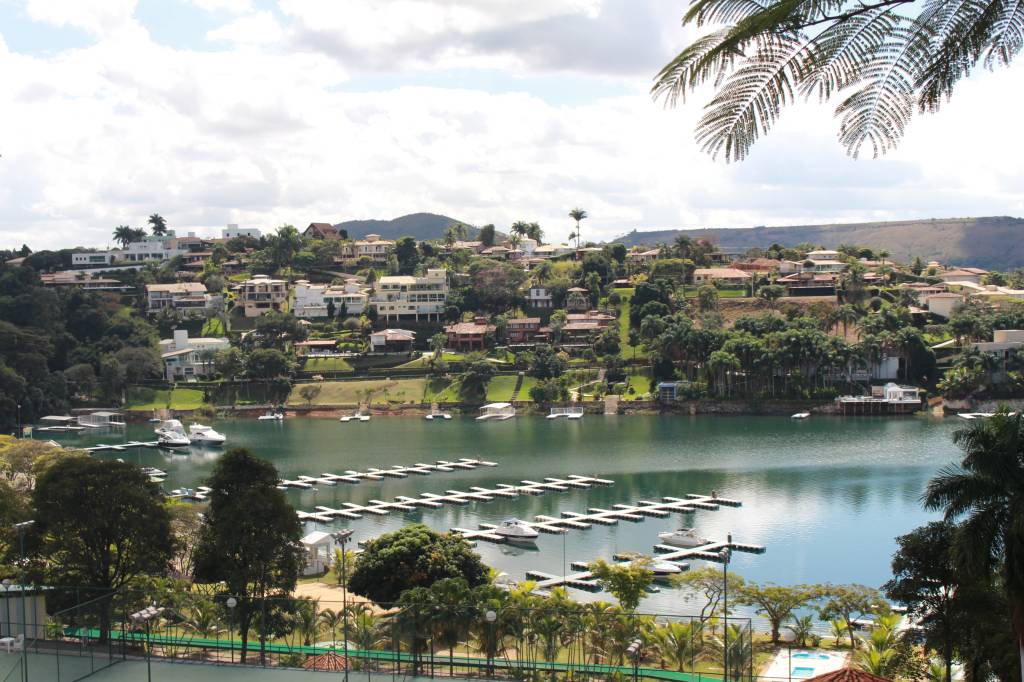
{"x": 259, "y": 28}
{"x": 262, "y": 135}
{"x": 232, "y": 6}
{"x": 94, "y": 16}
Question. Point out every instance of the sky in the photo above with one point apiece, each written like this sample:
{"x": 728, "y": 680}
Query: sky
{"x": 266, "y": 112}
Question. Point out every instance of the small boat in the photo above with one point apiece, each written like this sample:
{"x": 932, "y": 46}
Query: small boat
{"x": 515, "y": 530}
{"x": 205, "y": 435}
{"x": 357, "y": 417}
{"x": 660, "y": 569}
{"x": 171, "y": 434}
{"x": 684, "y": 537}
{"x": 504, "y": 581}
{"x": 364, "y": 417}
{"x": 437, "y": 415}
{"x": 801, "y": 415}
{"x": 271, "y": 416}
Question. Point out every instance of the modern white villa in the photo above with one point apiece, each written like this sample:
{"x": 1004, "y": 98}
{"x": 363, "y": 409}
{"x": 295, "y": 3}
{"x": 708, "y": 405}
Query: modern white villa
{"x": 150, "y": 248}
{"x": 261, "y": 294}
{"x": 189, "y": 299}
{"x": 185, "y": 358}
{"x": 408, "y": 297}
{"x": 313, "y": 300}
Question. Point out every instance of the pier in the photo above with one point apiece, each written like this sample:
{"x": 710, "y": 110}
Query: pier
{"x": 122, "y": 446}
{"x": 373, "y": 474}
{"x": 606, "y": 517}
{"x": 583, "y": 579}
{"x": 434, "y": 501}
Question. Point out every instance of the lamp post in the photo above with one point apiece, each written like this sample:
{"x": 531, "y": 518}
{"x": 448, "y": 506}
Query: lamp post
{"x": 19, "y": 420}
{"x": 342, "y": 537}
{"x": 21, "y": 529}
{"x": 7, "y": 602}
{"x": 725, "y": 554}
{"x": 146, "y": 616}
{"x": 634, "y": 651}
{"x": 490, "y": 616}
{"x": 231, "y": 603}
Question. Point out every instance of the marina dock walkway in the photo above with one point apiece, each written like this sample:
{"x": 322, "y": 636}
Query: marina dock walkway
{"x": 374, "y": 474}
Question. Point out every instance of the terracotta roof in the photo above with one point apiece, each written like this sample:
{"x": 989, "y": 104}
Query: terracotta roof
{"x": 848, "y": 675}
{"x": 525, "y": 320}
{"x": 723, "y": 273}
{"x": 469, "y": 328}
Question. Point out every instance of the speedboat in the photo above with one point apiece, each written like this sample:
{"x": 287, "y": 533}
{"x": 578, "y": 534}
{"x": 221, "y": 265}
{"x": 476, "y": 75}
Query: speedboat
{"x": 801, "y": 415}
{"x": 515, "y": 530}
{"x": 205, "y": 435}
{"x": 357, "y": 417}
{"x": 684, "y": 537}
{"x": 171, "y": 434}
{"x": 663, "y": 569}
{"x": 437, "y": 415}
{"x": 271, "y": 416}
{"x": 504, "y": 581}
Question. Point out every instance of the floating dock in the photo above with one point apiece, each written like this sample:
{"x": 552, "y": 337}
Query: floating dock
{"x": 433, "y": 501}
{"x": 373, "y": 474}
{"x": 606, "y": 517}
{"x": 121, "y": 447}
{"x": 583, "y": 579}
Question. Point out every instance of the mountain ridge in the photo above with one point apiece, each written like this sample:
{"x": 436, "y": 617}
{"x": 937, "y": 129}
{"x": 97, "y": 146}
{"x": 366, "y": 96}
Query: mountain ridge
{"x": 419, "y": 225}
{"x": 989, "y": 242}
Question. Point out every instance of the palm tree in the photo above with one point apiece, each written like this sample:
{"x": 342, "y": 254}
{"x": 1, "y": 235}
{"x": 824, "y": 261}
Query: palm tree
{"x": 306, "y": 619}
{"x": 521, "y": 228}
{"x": 125, "y": 235}
{"x": 158, "y": 223}
{"x": 801, "y": 629}
{"x": 838, "y": 630}
{"x": 578, "y": 214}
{"x": 875, "y": 661}
{"x": 987, "y": 491}
{"x": 680, "y": 643}
{"x": 204, "y": 621}
{"x": 330, "y": 620}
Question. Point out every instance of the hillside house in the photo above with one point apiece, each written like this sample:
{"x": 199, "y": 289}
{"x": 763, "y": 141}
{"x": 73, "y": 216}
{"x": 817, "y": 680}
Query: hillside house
{"x": 469, "y": 336}
{"x": 321, "y": 231}
{"x": 726, "y": 276}
{"x": 186, "y": 358}
{"x": 372, "y": 248}
{"x": 392, "y": 340}
{"x": 315, "y": 300}
{"x": 963, "y": 275}
{"x": 407, "y": 297}
{"x": 233, "y": 231}
{"x": 539, "y": 297}
{"x": 522, "y": 330}
{"x": 943, "y": 304}
{"x": 188, "y": 299}
{"x": 261, "y": 294}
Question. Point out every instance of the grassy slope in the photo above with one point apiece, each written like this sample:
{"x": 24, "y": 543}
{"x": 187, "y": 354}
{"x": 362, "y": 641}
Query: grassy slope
{"x": 327, "y": 365}
{"x": 141, "y": 398}
{"x": 343, "y": 393}
{"x": 626, "y": 350}
{"x": 499, "y": 390}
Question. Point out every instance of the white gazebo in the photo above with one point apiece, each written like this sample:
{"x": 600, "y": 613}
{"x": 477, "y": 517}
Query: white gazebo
{"x": 499, "y": 411}
{"x": 319, "y": 548}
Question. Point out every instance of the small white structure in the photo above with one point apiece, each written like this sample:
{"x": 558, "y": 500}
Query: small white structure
{"x": 21, "y": 616}
{"x": 233, "y": 230}
{"x": 185, "y": 358}
{"x": 319, "y": 548}
{"x": 943, "y": 304}
{"x": 101, "y": 419}
{"x": 189, "y": 299}
{"x": 497, "y": 411}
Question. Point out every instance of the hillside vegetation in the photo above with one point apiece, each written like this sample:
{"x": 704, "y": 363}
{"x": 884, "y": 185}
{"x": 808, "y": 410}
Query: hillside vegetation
{"x": 993, "y": 242}
{"x": 418, "y": 225}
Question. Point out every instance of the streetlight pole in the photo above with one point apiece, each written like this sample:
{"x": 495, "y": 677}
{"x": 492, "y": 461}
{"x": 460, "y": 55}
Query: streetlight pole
{"x": 342, "y": 538}
{"x": 725, "y": 554}
{"x": 231, "y": 604}
{"x": 19, "y": 420}
{"x": 21, "y": 529}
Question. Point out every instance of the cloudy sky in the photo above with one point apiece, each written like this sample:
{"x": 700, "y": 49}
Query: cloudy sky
{"x": 263, "y": 112}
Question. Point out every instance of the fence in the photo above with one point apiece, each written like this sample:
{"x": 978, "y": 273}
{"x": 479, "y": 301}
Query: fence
{"x": 491, "y": 639}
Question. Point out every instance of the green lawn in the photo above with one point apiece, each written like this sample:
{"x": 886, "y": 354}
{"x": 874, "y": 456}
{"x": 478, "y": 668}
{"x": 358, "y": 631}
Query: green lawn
{"x": 341, "y": 393}
{"x": 142, "y": 398}
{"x": 423, "y": 361}
{"x": 639, "y": 379}
{"x": 213, "y": 328}
{"x": 626, "y": 351}
{"x": 524, "y": 392}
{"x": 725, "y": 292}
{"x": 315, "y": 365}
{"x": 440, "y": 390}
{"x": 499, "y": 390}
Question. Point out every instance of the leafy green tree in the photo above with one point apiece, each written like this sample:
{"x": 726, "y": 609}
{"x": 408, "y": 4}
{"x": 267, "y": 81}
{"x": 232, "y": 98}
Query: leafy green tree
{"x": 125, "y": 235}
{"x": 707, "y": 298}
{"x": 474, "y": 379}
{"x": 229, "y": 363}
{"x": 771, "y": 294}
{"x": 626, "y": 582}
{"x": 775, "y": 602}
{"x": 850, "y": 602}
{"x": 267, "y": 363}
{"x": 139, "y": 364}
{"x": 886, "y": 59}
{"x": 158, "y": 225}
{"x": 283, "y": 245}
{"x": 99, "y": 524}
{"x": 486, "y": 235}
{"x": 986, "y": 490}
{"x": 407, "y": 254}
{"x": 112, "y": 377}
{"x": 250, "y": 537}
{"x": 547, "y": 363}
{"x": 413, "y": 556}
{"x": 802, "y": 628}
{"x": 707, "y": 583}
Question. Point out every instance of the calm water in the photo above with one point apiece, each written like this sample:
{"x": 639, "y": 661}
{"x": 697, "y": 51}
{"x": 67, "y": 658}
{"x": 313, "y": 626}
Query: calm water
{"x": 825, "y": 495}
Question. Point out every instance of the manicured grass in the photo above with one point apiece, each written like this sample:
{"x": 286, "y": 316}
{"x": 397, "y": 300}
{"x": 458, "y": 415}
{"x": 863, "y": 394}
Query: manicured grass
{"x": 524, "y": 392}
{"x": 499, "y": 390}
{"x": 423, "y": 361}
{"x": 327, "y": 365}
{"x": 376, "y": 390}
{"x": 728, "y": 292}
{"x": 639, "y": 379}
{"x": 142, "y": 398}
{"x": 625, "y": 350}
{"x": 441, "y": 390}
{"x": 213, "y": 327}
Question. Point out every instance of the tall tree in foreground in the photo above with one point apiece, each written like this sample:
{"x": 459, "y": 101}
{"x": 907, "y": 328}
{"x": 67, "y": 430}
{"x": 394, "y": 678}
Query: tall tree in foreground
{"x": 883, "y": 59}
{"x": 125, "y": 235}
{"x": 158, "y": 224}
{"x": 579, "y": 215}
{"x": 250, "y": 538}
{"x": 987, "y": 491}
{"x": 100, "y": 525}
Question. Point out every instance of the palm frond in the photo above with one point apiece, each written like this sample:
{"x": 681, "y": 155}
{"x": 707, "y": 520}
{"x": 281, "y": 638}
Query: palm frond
{"x": 704, "y": 12}
{"x": 707, "y": 58}
{"x": 750, "y": 100}
{"x": 841, "y": 51}
{"x": 1008, "y": 34}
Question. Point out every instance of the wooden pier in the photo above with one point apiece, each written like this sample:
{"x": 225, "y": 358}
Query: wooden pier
{"x": 606, "y": 517}
{"x": 583, "y": 579}
{"x": 373, "y": 474}
{"x": 434, "y": 501}
{"x": 121, "y": 447}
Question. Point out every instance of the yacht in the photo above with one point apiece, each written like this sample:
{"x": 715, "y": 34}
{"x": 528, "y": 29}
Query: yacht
{"x": 171, "y": 434}
{"x": 801, "y": 415}
{"x": 271, "y": 416}
{"x": 684, "y": 537}
{"x": 205, "y": 435}
{"x": 515, "y": 530}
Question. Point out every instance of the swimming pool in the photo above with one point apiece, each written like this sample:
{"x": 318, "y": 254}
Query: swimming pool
{"x": 803, "y": 672}
{"x": 805, "y": 655}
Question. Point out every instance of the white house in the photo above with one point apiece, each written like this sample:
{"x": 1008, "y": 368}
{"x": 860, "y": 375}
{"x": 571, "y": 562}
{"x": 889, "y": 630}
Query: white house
{"x": 943, "y": 304}
{"x": 823, "y": 255}
{"x": 407, "y": 297}
{"x": 261, "y": 294}
{"x": 185, "y": 358}
{"x": 553, "y": 250}
{"x": 319, "y": 547}
{"x": 232, "y": 231}
{"x": 150, "y": 248}
{"x": 971, "y": 275}
{"x": 723, "y": 275}
{"x": 313, "y": 300}
{"x": 392, "y": 340}
{"x": 372, "y": 247}
{"x": 539, "y": 297}
{"x": 190, "y": 299}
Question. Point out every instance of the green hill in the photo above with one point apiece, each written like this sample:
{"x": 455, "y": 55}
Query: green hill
{"x": 992, "y": 242}
{"x": 418, "y": 225}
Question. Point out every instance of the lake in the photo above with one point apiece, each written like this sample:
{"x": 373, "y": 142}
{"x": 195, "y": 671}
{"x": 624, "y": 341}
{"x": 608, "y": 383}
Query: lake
{"x": 826, "y": 495}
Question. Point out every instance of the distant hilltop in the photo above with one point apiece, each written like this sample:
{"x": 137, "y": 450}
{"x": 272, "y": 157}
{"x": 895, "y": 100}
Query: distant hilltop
{"x": 994, "y": 242}
{"x": 418, "y": 225}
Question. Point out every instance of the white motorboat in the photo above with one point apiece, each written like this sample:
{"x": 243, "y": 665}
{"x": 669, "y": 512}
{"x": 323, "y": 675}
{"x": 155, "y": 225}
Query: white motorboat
{"x": 684, "y": 537}
{"x": 364, "y": 417}
{"x": 664, "y": 569}
{"x": 205, "y": 435}
{"x": 505, "y": 582}
{"x": 801, "y": 415}
{"x": 437, "y": 415}
{"x": 515, "y": 530}
{"x": 357, "y": 417}
{"x": 171, "y": 434}
{"x": 271, "y": 416}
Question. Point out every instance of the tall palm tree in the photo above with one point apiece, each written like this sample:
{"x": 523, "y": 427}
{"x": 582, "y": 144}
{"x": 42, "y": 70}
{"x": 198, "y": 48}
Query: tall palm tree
{"x": 680, "y": 642}
{"x": 125, "y": 235}
{"x": 521, "y": 228}
{"x": 158, "y": 224}
{"x": 578, "y": 214}
{"x": 801, "y": 629}
{"x": 987, "y": 491}
{"x": 330, "y": 620}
